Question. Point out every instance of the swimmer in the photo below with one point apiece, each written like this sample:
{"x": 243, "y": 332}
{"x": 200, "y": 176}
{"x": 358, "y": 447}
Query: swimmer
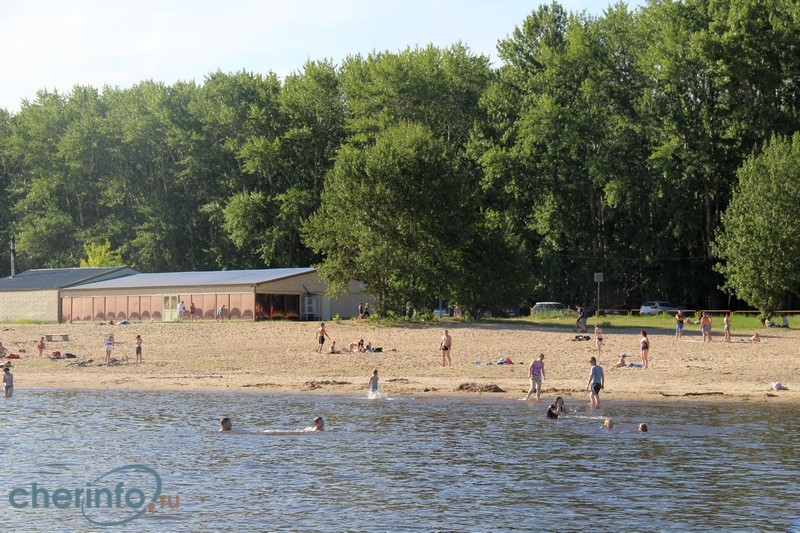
{"x": 608, "y": 424}
{"x": 621, "y": 363}
{"x": 373, "y": 381}
{"x": 225, "y": 424}
{"x": 642, "y": 428}
{"x": 319, "y": 424}
{"x": 556, "y": 409}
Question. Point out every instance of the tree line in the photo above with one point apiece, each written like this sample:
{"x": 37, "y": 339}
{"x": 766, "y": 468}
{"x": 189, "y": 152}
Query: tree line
{"x": 609, "y": 143}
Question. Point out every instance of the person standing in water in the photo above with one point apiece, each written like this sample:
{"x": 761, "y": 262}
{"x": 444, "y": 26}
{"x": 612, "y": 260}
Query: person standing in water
{"x": 446, "y": 347}
{"x": 8, "y": 382}
{"x": 536, "y": 373}
{"x": 373, "y": 381}
{"x": 596, "y": 382}
{"x": 556, "y": 409}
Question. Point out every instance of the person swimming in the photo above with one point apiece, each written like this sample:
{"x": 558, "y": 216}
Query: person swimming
{"x": 556, "y": 409}
{"x": 608, "y": 424}
{"x": 319, "y": 424}
{"x": 225, "y": 424}
{"x": 642, "y": 428}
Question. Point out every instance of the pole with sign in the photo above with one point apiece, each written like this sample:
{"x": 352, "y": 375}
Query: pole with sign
{"x": 598, "y": 278}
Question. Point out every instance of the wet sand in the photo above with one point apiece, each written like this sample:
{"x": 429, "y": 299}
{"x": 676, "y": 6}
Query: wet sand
{"x": 281, "y": 356}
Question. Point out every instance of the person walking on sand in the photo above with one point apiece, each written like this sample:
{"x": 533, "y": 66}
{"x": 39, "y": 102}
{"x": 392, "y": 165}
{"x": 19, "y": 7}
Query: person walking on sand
{"x": 321, "y": 334}
{"x": 41, "y": 346}
{"x": 8, "y": 382}
{"x": 727, "y": 326}
{"x": 221, "y": 315}
{"x": 109, "y": 345}
{"x": 679, "y": 320}
{"x": 446, "y": 347}
{"x": 596, "y": 382}
{"x": 598, "y": 338}
{"x": 138, "y": 348}
{"x": 181, "y": 311}
{"x": 705, "y": 327}
{"x": 192, "y": 311}
{"x": 373, "y": 381}
{"x": 536, "y": 373}
{"x": 644, "y": 344}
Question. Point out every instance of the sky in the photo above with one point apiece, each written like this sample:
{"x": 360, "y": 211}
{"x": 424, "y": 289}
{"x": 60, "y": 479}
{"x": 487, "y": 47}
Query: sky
{"x": 55, "y": 45}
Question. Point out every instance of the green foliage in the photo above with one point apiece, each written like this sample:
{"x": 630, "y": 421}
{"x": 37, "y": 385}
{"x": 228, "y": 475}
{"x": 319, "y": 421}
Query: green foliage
{"x": 101, "y": 255}
{"x": 605, "y": 143}
{"x": 759, "y": 240}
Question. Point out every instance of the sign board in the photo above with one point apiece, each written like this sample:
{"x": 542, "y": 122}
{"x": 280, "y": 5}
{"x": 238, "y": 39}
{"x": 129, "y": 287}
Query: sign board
{"x": 598, "y": 277}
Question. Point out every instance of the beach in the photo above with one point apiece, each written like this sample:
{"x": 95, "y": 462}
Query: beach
{"x": 281, "y": 356}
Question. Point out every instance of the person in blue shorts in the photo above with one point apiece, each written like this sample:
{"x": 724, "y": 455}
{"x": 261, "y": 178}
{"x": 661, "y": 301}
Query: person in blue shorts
{"x": 373, "y": 381}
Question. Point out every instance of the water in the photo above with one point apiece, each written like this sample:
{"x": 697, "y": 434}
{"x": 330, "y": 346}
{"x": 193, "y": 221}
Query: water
{"x": 406, "y": 463}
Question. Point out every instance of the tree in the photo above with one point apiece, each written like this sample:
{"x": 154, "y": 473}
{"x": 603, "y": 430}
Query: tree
{"x": 390, "y": 216}
{"x": 758, "y": 243}
{"x": 101, "y": 255}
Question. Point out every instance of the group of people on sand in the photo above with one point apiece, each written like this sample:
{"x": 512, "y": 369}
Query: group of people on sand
{"x": 353, "y": 347}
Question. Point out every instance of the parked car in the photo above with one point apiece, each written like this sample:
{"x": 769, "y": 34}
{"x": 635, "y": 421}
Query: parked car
{"x": 542, "y": 307}
{"x": 657, "y": 307}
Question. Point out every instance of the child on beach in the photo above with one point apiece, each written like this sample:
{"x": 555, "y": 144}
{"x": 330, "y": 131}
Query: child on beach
{"x": 40, "y": 346}
{"x": 727, "y": 326}
{"x": 109, "y": 345}
{"x": 373, "y": 381}
{"x": 8, "y": 382}
{"x": 598, "y": 337}
{"x": 321, "y": 334}
{"x": 621, "y": 363}
{"x": 536, "y": 374}
{"x": 644, "y": 344}
{"x": 138, "y": 348}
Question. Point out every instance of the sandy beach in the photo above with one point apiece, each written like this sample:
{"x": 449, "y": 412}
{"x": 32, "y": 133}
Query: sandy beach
{"x": 281, "y": 356}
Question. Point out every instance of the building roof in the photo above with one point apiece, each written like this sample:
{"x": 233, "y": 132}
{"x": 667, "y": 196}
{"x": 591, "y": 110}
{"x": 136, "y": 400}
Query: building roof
{"x": 197, "y": 279}
{"x": 59, "y": 278}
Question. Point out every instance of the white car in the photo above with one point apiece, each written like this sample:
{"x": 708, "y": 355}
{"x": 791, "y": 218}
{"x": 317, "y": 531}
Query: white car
{"x": 542, "y": 307}
{"x": 657, "y": 307}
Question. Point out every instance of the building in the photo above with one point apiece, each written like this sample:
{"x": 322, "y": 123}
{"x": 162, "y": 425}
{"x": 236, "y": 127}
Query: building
{"x": 279, "y": 293}
{"x": 34, "y": 294}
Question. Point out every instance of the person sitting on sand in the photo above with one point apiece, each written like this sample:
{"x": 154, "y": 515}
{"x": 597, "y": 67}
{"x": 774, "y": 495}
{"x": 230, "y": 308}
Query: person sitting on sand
{"x": 621, "y": 363}
{"x": 319, "y": 424}
{"x": 360, "y": 345}
{"x": 768, "y": 322}
{"x": 556, "y": 408}
{"x": 756, "y": 338}
{"x": 642, "y": 428}
{"x": 225, "y": 424}
{"x": 333, "y": 348}
{"x": 352, "y": 347}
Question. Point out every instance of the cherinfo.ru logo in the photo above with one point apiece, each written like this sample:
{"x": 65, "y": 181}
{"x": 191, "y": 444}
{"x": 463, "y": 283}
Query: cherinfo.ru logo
{"x": 116, "y": 497}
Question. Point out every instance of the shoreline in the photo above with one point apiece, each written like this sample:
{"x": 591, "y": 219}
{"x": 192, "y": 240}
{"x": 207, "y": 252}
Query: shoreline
{"x": 280, "y": 357}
